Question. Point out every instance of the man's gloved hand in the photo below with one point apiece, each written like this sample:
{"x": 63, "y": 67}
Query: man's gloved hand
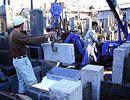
{"x": 50, "y": 32}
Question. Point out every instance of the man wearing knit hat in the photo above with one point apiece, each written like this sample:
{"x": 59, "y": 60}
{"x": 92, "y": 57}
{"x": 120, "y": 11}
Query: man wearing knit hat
{"x": 17, "y": 42}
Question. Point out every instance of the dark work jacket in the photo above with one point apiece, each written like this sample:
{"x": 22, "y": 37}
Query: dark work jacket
{"x": 19, "y": 40}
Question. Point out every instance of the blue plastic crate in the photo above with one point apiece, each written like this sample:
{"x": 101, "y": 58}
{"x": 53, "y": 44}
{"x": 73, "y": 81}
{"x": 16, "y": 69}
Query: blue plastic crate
{"x": 37, "y": 94}
{"x": 58, "y": 73}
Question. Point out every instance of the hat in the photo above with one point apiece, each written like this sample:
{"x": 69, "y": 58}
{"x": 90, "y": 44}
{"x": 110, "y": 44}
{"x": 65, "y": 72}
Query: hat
{"x": 17, "y": 20}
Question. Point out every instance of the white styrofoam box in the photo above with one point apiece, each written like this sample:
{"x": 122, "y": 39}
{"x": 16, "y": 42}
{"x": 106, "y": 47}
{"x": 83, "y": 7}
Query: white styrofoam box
{"x": 64, "y": 54}
{"x": 66, "y": 90}
{"x": 118, "y": 65}
{"x": 93, "y": 74}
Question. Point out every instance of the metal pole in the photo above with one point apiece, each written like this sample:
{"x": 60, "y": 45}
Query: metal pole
{"x": 116, "y": 13}
{"x": 78, "y": 8}
{"x": 8, "y": 2}
{"x": 4, "y": 2}
{"x": 119, "y": 32}
{"x": 31, "y": 4}
{"x": 55, "y": 0}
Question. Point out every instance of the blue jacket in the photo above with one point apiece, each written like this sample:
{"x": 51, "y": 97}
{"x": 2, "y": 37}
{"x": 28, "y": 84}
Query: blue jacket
{"x": 91, "y": 37}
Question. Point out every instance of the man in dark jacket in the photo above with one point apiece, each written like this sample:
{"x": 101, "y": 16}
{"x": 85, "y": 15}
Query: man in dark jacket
{"x": 18, "y": 41}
